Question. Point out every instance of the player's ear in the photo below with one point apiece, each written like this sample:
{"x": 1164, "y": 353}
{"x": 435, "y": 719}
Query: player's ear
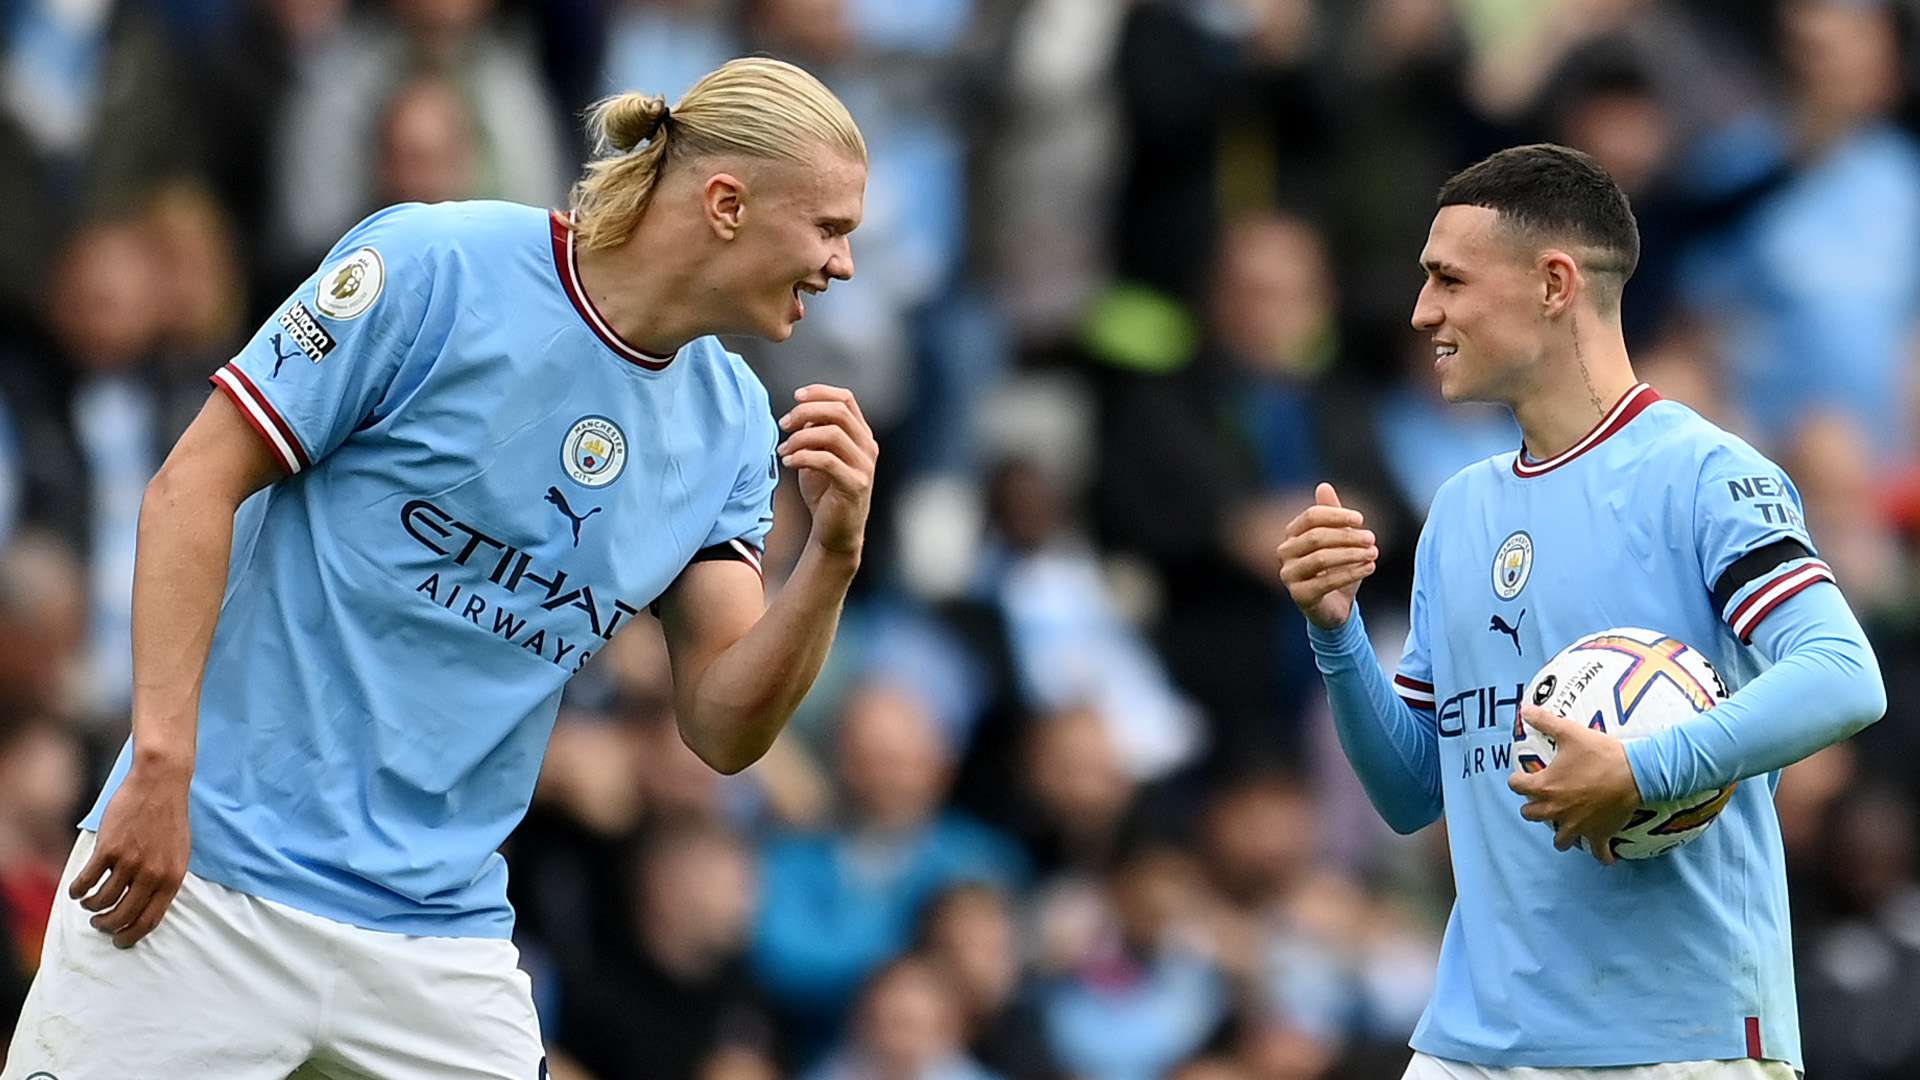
{"x": 724, "y": 200}
{"x": 1560, "y": 282}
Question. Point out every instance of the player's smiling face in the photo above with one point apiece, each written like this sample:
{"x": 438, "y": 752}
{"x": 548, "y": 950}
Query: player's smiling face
{"x": 1480, "y": 304}
{"x": 796, "y": 239}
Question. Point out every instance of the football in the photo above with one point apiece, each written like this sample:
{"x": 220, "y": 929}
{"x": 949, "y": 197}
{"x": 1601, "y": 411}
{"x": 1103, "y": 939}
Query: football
{"x": 1629, "y": 683}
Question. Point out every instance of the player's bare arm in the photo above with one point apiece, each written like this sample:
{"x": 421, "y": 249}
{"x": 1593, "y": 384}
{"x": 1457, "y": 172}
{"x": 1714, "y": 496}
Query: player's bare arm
{"x": 186, "y": 535}
{"x": 739, "y": 671}
{"x": 1328, "y": 552}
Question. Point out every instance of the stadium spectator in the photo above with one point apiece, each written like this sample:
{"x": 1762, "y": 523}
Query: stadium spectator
{"x": 969, "y": 932}
{"x": 1813, "y": 290}
{"x": 244, "y": 70}
{"x": 92, "y": 113}
{"x": 670, "y": 995}
{"x": 1303, "y": 940}
{"x": 41, "y": 775}
{"x": 848, "y": 897}
{"x": 203, "y": 291}
{"x": 428, "y": 148}
{"x": 1401, "y": 119}
{"x": 328, "y": 137}
{"x": 98, "y": 412}
{"x": 1070, "y": 643}
{"x": 1234, "y": 433}
{"x": 43, "y": 615}
{"x": 908, "y": 1028}
{"x": 1860, "y": 948}
{"x": 1077, "y": 798}
{"x": 1831, "y": 462}
{"x": 1049, "y": 167}
{"x": 1147, "y": 993}
{"x": 667, "y": 44}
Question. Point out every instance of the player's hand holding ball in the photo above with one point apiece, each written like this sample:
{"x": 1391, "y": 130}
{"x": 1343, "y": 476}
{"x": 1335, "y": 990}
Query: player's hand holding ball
{"x": 1586, "y": 793}
{"x": 1328, "y": 552}
{"x": 141, "y": 853}
{"x": 829, "y": 442}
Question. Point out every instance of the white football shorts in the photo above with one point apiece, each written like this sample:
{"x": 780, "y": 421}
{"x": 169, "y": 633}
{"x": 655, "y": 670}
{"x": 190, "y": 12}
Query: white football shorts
{"x": 233, "y": 987}
{"x": 1427, "y": 1067}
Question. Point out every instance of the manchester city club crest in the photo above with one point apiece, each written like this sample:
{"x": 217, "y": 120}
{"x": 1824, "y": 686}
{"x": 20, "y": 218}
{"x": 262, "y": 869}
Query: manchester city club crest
{"x": 594, "y": 452}
{"x": 1512, "y": 565}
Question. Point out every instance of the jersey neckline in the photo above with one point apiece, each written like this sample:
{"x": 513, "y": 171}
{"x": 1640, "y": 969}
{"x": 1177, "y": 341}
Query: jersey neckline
{"x": 1630, "y": 405}
{"x": 566, "y": 262}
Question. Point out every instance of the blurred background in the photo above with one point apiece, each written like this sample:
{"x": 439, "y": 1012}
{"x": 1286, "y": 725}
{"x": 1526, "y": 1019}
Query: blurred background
{"x": 1133, "y": 276}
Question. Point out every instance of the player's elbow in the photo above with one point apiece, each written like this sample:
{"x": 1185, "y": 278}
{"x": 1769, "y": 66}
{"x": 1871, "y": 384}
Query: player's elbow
{"x": 1866, "y": 698}
{"x": 723, "y": 748}
{"x": 169, "y": 496}
{"x": 1858, "y": 696}
{"x": 727, "y": 764}
{"x": 1408, "y": 824}
{"x": 1408, "y": 819}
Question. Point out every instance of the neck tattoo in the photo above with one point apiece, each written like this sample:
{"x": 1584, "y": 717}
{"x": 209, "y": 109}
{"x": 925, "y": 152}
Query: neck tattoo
{"x": 1599, "y": 407}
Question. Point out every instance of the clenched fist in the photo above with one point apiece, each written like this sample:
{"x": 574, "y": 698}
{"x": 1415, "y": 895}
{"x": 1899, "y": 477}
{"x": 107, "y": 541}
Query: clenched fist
{"x": 1328, "y": 552}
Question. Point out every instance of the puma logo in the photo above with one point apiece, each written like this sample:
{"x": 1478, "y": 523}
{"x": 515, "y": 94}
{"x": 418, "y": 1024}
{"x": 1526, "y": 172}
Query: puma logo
{"x": 559, "y": 502}
{"x": 1513, "y": 631}
{"x": 279, "y": 357}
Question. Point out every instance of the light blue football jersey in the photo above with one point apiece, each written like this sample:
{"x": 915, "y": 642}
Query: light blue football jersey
{"x": 486, "y": 485}
{"x": 1655, "y": 519}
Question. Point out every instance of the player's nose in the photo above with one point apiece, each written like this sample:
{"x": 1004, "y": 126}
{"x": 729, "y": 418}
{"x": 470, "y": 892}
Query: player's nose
{"x": 1427, "y": 315}
{"x": 840, "y": 263}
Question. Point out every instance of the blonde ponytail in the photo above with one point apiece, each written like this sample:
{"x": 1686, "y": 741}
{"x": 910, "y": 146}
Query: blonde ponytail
{"x": 753, "y": 107}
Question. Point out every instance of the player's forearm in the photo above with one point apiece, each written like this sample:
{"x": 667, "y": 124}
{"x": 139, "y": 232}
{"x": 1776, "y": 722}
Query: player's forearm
{"x": 745, "y": 697}
{"x": 1823, "y": 687}
{"x": 1391, "y": 750}
{"x": 179, "y": 573}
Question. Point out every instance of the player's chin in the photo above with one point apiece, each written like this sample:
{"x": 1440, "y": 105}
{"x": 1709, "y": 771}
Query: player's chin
{"x": 775, "y": 327}
{"x": 1455, "y": 388}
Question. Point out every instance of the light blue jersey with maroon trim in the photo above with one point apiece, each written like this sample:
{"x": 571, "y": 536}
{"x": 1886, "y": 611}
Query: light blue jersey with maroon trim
{"x": 1655, "y": 519}
{"x": 485, "y": 484}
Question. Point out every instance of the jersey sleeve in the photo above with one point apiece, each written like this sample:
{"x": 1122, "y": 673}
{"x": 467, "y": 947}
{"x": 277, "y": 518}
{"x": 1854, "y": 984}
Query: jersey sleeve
{"x": 332, "y": 355}
{"x": 741, "y": 530}
{"x": 1413, "y": 679}
{"x": 1751, "y": 537}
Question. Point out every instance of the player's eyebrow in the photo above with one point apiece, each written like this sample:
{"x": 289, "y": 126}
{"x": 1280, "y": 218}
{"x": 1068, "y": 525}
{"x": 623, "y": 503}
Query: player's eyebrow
{"x": 838, "y": 224}
{"x": 1440, "y": 267}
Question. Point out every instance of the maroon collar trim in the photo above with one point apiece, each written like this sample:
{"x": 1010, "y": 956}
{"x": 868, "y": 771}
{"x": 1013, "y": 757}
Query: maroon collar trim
{"x": 566, "y": 260}
{"x": 1632, "y": 404}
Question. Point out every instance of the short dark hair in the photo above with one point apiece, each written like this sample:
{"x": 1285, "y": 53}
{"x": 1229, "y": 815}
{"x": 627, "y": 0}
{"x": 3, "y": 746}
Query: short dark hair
{"x": 1556, "y": 192}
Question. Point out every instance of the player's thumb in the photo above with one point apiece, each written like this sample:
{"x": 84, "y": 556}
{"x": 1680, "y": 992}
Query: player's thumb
{"x": 1324, "y": 495}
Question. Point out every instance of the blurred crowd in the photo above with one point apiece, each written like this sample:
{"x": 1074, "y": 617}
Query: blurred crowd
{"x": 1134, "y": 275}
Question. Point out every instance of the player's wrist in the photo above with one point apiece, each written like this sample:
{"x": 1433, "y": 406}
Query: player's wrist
{"x": 838, "y": 553}
{"x": 1626, "y": 786}
{"x": 162, "y": 764}
{"x": 1337, "y": 633}
{"x": 1643, "y": 771}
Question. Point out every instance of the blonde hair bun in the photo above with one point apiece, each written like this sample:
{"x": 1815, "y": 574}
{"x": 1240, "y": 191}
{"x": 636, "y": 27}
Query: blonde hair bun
{"x": 627, "y": 120}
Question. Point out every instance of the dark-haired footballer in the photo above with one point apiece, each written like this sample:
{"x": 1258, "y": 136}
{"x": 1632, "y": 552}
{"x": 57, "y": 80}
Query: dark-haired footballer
{"x": 1620, "y": 509}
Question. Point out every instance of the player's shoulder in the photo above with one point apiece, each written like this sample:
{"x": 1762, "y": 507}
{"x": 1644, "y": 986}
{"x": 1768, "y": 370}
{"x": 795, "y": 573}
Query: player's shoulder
{"x": 731, "y": 381}
{"x": 428, "y": 232}
{"x": 1679, "y": 441}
